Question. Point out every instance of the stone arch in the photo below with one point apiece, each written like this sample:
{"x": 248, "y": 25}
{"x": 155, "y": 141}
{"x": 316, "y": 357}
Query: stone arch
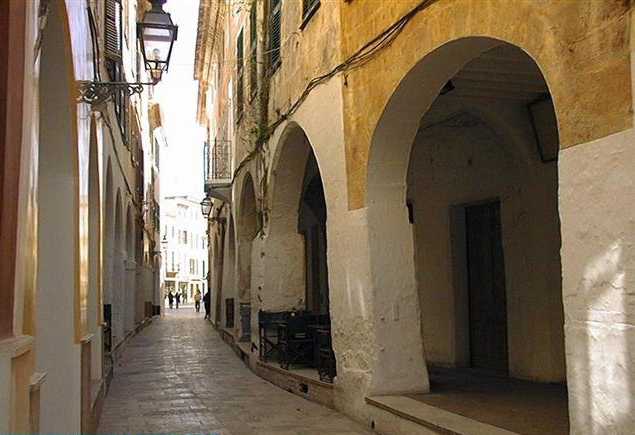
{"x": 119, "y": 258}
{"x": 291, "y": 266}
{"x": 412, "y": 240}
{"x": 59, "y": 315}
{"x": 228, "y": 290}
{"x": 246, "y": 231}
{"x": 95, "y": 244}
{"x": 284, "y": 268}
{"x": 130, "y": 298}
{"x": 585, "y": 100}
{"x": 109, "y": 234}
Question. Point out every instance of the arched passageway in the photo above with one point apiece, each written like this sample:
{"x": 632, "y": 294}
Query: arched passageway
{"x": 118, "y": 258}
{"x": 130, "y": 299}
{"x": 295, "y": 267}
{"x": 226, "y": 299}
{"x": 247, "y": 230}
{"x": 462, "y": 196}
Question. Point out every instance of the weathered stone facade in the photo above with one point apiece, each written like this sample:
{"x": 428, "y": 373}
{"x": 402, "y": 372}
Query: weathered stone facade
{"x": 408, "y": 132}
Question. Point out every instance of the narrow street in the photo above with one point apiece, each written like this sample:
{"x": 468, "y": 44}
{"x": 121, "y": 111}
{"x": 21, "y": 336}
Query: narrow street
{"x": 178, "y": 376}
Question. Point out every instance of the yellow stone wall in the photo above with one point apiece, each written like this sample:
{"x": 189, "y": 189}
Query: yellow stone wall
{"x": 582, "y": 48}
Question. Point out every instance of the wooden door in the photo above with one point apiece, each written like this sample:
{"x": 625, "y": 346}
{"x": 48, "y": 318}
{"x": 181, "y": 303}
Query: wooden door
{"x": 486, "y": 286}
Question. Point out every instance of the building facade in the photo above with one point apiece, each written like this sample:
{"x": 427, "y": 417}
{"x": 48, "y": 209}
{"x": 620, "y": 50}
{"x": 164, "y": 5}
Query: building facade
{"x": 79, "y": 211}
{"x": 448, "y": 180}
{"x": 184, "y": 247}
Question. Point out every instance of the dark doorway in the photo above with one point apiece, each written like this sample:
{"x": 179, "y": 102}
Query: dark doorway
{"x": 486, "y": 284}
{"x": 312, "y": 223}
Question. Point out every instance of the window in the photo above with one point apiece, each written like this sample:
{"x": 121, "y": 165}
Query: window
{"x": 203, "y": 269}
{"x": 113, "y": 46}
{"x": 309, "y": 7}
{"x": 275, "y": 7}
{"x": 253, "y": 52}
{"x": 192, "y": 267}
{"x": 240, "y": 71}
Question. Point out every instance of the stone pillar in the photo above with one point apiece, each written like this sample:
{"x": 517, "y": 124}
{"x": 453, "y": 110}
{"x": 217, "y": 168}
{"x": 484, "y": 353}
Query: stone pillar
{"x": 398, "y": 360}
{"x": 130, "y": 291}
{"x": 598, "y": 282}
{"x": 118, "y": 300}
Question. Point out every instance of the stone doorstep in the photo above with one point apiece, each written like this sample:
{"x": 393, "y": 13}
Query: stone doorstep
{"x": 433, "y": 418}
{"x": 288, "y": 380}
{"x": 292, "y": 374}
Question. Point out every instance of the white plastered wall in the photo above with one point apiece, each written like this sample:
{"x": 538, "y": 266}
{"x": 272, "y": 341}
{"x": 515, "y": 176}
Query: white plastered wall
{"x": 281, "y": 251}
{"x": 597, "y": 215}
{"x": 57, "y": 354}
{"x": 598, "y": 263}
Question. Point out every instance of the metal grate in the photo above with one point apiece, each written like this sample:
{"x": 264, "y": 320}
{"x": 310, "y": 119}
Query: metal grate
{"x": 217, "y": 155}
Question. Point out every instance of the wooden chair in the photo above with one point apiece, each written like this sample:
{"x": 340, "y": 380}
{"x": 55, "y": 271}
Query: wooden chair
{"x": 295, "y": 343}
{"x": 268, "y": 332}
{"x": 325, "y": 357}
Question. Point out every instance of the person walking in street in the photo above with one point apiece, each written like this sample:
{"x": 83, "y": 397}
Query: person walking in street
{"x": 206, "y": 304}
{"x": 197, "y": 301}
{"x": 171, "y": 299}
{"x": 178, "y": 299}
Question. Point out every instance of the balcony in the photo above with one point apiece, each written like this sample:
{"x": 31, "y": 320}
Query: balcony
{"x": 218, "y": 169}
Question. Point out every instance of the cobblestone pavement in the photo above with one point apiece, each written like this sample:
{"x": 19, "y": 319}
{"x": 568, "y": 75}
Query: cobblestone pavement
{"x": 178, "y": 376}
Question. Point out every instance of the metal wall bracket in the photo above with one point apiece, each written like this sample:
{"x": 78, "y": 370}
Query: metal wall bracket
{"x": 100, "y": 92}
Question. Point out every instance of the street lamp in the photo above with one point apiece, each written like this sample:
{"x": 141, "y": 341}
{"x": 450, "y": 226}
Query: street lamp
{"x": 157, "y": 33}
{"x": 206, "y": 206}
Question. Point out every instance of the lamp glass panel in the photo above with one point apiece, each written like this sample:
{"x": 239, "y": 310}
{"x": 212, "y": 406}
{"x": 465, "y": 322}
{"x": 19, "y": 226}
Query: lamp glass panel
{"x": 157, "y": 43}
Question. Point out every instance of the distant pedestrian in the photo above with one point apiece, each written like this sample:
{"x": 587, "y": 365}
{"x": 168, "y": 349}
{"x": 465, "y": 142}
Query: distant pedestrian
{"x": 197, "y": 301}
{"x": 171, "y": 299}
{"x": 206, "y": 304}
{"x": 178, "y": 299}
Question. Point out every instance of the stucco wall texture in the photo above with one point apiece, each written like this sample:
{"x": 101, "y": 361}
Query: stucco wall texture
{"x": 378, "y": 307}
{"x": 582, "y": 49}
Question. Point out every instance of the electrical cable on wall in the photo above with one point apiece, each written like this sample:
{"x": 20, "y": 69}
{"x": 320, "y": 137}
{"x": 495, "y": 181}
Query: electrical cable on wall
{"x": 362, "y": 55}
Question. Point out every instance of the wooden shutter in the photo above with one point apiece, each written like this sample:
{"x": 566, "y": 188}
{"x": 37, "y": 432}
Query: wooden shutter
{"x": 275, "y": 7}
{"x": 240, "y": 74}
{"x": 253, "y": 52}
{"x": 113, "y": 34}
{"x": 308, "y": 7}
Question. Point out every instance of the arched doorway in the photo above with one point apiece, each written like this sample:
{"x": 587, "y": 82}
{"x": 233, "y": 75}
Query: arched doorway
{"x": 462, "y": 192}
{"x": 295, "y": 267}
{"x": 226, "y": 300}
{"x": 118, "y": 258}
{"x": 247, "y": 230}
{"x": 130, "y": 300}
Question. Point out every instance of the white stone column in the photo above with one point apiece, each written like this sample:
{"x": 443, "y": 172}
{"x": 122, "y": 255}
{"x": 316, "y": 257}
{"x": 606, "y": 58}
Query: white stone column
{"x": 118, "y": 292}
{"x": 130, "y": 291}
{"x": 399, "y": 364}
{"x": 597, "y": 212}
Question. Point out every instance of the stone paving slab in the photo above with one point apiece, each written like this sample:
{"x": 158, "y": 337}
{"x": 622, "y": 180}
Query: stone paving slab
{"x": 178, "y": 376}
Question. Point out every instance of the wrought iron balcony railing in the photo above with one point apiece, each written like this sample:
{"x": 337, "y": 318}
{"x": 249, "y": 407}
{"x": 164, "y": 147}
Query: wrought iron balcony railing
{"x": 218, "y": 169}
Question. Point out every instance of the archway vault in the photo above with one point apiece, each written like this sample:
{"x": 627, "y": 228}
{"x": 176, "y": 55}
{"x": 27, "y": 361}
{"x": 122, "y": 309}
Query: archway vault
{"x": 592, "y": 99}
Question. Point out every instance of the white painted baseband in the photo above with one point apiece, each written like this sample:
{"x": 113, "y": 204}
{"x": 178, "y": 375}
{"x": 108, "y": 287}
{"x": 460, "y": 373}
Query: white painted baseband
{"x": 434, "y": 418}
